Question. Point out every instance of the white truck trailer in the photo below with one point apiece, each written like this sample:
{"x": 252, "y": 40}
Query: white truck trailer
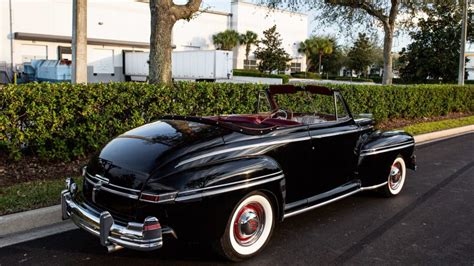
{"x": 198, "y": 65}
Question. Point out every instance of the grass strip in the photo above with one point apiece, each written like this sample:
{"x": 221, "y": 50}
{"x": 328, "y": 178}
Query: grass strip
{"x": 32, "y": 195}
{"x": 428, "y": 127}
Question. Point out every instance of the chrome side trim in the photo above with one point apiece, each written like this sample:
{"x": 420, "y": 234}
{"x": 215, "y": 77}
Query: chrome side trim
{"x": 337, "y": 133}
{"x": 230, "y": 184}
{"x": 239, "y": 148}
{"x": 227, "y": 189}
{"x": 388, "y": 146}
{"x": 373, "y": 187}
{"x": 265, "y": 144}
{"x": 386, "y": 150}
{"x": 287, "y": 215}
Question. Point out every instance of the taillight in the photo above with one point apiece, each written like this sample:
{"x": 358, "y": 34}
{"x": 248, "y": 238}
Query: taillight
{"x": 157, "y": 198}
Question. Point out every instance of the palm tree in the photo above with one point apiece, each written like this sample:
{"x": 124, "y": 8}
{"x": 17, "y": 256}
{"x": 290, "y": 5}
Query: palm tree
{"x": 316, "y": 46}
{"x": 226, "y": 40}
{"x": 248, "y": 39}
{"x": 306, "y": 48}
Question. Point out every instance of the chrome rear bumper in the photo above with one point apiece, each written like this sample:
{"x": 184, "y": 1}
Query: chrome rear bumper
{"x": 139, "y": 236}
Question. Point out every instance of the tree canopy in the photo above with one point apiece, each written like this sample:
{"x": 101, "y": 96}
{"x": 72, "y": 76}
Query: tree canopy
{"x": 367, "y": 13}
{"x": 362, "y": 54}
{"x": 434, "y": 52}
{"x": 226, "y": 40}
{"x": 315, "y": 48}
{"x": 336, "y": 60}
{"x": 270, "y": 52}
{"x": 248, "y": 39}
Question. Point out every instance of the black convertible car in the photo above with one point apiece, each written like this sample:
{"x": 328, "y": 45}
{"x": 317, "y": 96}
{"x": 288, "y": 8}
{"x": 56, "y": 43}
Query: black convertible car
{"x": 229, "y": 179}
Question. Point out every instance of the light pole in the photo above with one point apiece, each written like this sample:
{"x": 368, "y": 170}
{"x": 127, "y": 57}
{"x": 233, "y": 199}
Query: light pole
{"x": 462, "y": 58}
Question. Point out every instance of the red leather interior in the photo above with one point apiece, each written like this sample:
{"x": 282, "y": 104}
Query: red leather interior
{"x": 243, "y": 119}
{"x": 279, "y": 122}
{"x": 256, "y": 120}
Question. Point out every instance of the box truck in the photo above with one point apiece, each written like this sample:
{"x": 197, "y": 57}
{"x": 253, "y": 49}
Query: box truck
{"x": 198, "y": 65}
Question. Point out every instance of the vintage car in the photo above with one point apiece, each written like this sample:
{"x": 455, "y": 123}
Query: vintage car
{"x": 229, "y": 179}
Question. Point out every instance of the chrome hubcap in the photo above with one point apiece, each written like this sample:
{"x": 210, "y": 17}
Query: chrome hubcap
{"x": 249, "y": 224}
{"x": 395, "y": 177}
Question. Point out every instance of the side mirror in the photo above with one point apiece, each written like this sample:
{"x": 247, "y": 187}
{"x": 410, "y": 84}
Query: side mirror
{"x": 364, "y": 119}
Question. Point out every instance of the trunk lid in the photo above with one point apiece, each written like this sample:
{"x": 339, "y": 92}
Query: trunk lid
{"x": 125, "y": 164}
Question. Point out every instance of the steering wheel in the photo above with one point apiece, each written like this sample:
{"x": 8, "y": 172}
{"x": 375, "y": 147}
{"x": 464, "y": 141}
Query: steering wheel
{"x": 282, "y": 114}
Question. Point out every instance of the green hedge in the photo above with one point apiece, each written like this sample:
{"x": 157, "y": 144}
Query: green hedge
{"x": 64, "y": 121}
{"x": 306, "y": 75}
{"x": 378, "y": 79}
{"x": 256, "y": 73}
{"x": 353, "y": 79}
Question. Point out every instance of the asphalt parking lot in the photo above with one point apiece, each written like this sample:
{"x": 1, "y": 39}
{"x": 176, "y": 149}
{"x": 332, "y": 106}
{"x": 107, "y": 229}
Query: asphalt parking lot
{"x": 431, "y": 222}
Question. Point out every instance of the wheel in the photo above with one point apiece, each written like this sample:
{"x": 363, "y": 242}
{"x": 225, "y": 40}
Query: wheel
{"x": 396, "y": 178}
{"x": 248, "y": 229}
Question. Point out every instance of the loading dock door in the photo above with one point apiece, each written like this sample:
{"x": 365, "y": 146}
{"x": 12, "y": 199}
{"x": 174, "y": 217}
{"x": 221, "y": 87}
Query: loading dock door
{"x": 102, "y": 61}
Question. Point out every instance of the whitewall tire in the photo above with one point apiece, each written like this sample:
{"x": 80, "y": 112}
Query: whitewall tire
{"x": 249, "y": 227}
{"x": 396, "y": 178}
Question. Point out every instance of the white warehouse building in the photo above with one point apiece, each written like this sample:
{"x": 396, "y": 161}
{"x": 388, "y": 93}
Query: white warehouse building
{"x": 42, "y": 29}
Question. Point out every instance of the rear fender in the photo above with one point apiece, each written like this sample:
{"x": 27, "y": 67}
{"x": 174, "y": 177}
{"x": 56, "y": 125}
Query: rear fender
{"x": 379, "y": 150}
{"x": 214, "y": 190}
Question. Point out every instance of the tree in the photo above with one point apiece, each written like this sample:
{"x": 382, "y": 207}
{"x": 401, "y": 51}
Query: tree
{"x": 164, "y": 14}
{"x": 270, "y": 53}
{"x": 316, "y": 47}
{"x": 336, "y": 60}
{"x": 361, "y": 55}
{"x": 352, "y": 12}
{"x": 434, "y": 52}
{"x": 248, "y": 39}
{"x": 226, "y": 40}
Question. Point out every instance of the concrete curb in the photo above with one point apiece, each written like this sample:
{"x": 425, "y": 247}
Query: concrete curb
{"x": 442, "y": 134}
{"x": 23, "y": 221}
{"x": 34, "y": 219}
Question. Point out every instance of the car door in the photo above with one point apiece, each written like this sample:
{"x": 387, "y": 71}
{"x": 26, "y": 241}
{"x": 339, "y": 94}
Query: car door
{"x": 293, "y": 156}
{"x": 334, "y": 153}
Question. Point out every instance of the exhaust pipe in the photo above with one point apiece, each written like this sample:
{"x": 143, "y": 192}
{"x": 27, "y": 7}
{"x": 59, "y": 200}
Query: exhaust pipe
{"x": 112, "y": 248}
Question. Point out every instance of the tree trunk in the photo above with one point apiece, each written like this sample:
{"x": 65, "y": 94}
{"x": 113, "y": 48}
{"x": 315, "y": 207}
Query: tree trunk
{"x": 320, "y": 59}
{"x": 164, "y": 14}
{"x": 387, "y": 54}
{"x": 308, "y": 66}
{"x": 160, "y": 45}
{"x": 247, "y": 52}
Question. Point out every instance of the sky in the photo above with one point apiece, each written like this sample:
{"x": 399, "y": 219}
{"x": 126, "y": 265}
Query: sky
{"x": 314, "y": 27}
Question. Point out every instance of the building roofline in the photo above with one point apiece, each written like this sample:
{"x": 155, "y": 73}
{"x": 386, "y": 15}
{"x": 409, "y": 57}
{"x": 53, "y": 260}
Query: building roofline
{"x": 67, "y": 39}
{"x": 227, "y": 14}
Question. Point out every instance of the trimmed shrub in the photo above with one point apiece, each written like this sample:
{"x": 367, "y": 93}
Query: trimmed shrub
{"x": 256, "y": 73}
{"x": 64, "y": 121}
{"x": 350, "y": 79}
{"x": 305, "y": 75}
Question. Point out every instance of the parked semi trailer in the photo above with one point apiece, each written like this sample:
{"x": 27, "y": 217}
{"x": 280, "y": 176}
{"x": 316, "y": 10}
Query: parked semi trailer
{"x": 199, "y": 65}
